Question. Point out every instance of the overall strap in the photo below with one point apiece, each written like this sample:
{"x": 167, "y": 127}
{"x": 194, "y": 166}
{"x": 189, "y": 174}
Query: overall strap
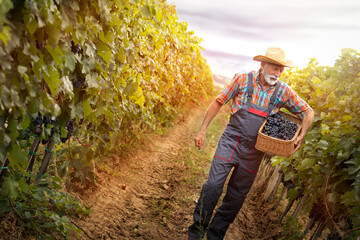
{"x": 273, "y": 98}
{"x": 250, "y": 87}
{"x": 250, "y": 92}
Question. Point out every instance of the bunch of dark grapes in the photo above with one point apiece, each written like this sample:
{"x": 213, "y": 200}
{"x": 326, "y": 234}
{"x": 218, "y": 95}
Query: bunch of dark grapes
{"x": 317, "y": 212}
{"x": 26, "y": 134}
{"x": 70, "y": 127}
{"x": 51, "y": 121}
{"x": 37, "y": 125}
{"x": 38, "y": 121}
{"x": 89, "y": 126}
{"x": 279, "y": 127}
{"x": 334, "y": 236}
{"x": 289, "y": 184}
{"x": 76, "y": 48}
{"x": 40, "y": 44}
{"x": 79, "y": 83}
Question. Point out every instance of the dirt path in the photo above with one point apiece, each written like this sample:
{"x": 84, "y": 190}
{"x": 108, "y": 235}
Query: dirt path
{"x": 151, "y": 193}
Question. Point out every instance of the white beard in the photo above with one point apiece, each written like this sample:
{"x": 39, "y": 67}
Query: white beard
{"x": 270, "y": 79}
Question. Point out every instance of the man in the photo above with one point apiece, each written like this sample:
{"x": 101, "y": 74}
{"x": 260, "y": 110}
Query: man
{"x": 255, "y": 95}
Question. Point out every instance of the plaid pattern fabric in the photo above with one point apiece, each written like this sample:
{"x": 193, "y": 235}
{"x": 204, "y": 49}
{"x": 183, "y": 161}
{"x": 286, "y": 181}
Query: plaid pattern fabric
{"x": 237, "y": 90}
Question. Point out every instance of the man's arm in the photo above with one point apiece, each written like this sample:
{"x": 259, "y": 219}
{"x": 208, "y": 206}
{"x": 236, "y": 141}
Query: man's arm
{"x": 211, "y": 112}
{"x": 306, "y": 123}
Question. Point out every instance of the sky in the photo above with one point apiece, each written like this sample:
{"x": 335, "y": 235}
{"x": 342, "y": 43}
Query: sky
{"x": 234, "y": 31}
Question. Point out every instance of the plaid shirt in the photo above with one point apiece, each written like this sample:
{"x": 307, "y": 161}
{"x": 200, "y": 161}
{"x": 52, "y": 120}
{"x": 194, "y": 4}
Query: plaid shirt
{"x": 286, "y": 98}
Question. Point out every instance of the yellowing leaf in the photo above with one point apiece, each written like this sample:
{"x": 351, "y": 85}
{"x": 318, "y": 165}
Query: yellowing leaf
{"x": 325, "y": 129}
{"x": 87, "y": 108}
{"x": 32, "y": 25}
{"x": 115, "y": 20}
{"x": 102, "y": 37}
{"x": 110, "y": 37}
{"x": 316, "y": 80}
{"x": 138, "y": 97}
{"x": 52, "y": 79}
{"x": 145, "y": 10}
{"x": 5, "y": 34}
{"x": 158, "y": 14}
{"x": 347, "y": 118}
{"x": 57, "y": 54}
{"x": 104, "y": 52}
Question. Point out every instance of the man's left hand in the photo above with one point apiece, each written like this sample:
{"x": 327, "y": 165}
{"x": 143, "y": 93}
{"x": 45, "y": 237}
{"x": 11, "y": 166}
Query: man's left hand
{"x": 298, "y": 142}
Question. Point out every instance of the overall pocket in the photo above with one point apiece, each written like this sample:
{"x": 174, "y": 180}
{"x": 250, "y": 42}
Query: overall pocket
{"x": 227, "y": 145}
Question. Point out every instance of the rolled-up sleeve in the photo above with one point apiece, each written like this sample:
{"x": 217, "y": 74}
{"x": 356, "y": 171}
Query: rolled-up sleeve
{"x": 296, "y": 104}
{"x": 230, "y": 90}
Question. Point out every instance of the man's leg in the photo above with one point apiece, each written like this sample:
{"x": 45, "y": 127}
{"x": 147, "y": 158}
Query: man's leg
{"x": 238, "y": 187}
{"x": 209, "y": 196}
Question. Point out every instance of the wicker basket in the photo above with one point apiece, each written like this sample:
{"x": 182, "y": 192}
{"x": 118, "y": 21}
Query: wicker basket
{"x": 274, "y": 146}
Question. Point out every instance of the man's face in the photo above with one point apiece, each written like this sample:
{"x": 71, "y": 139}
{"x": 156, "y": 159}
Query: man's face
{"x": 272, "y": 73}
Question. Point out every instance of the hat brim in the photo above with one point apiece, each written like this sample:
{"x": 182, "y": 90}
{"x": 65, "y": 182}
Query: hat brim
{"x": 261, "y": 58}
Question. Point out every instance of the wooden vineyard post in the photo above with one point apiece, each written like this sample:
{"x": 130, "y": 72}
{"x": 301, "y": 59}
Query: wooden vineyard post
{"x": 263, "y": 165}
{"x": 4, "y": 170}
{"x": 273, "y": 184}
{"x": 280, "y": 198}
{"x": 31, "y": 156}
{"x": 309, "y": 226}
{"x": 272, "y": 196}
{"x": 318, "y": 230}
{"x": 288, "y": 207}
{"x": 272, "y": 169}
{"x": 298, "y": 207}
{"x": 33, "y": 149}
{"x": 46, "y": 160}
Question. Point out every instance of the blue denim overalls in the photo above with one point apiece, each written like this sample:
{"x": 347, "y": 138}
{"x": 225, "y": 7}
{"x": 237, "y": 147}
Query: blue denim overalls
{"x": 236, "y": 149}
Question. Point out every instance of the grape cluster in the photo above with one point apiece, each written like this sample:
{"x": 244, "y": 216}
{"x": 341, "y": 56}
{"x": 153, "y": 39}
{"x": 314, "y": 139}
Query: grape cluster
{"x": 76, "y": 48}
{"x": 38, "y": 121}
{"x": 79, "y": 83}
{"x": 317, "y": 212}
{"x": 70, "y": 127}
{"x": 289, "y": 184}
{"x": 49, "y": 120}
{"x": 40, "y": 44}
{"x": 279, "y": 127}
{"x": 334, "y": 236}
{"x": 26, "y": 134}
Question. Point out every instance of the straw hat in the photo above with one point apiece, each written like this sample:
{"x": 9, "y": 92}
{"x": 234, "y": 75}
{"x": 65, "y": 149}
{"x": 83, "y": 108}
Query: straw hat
{"x": 275, "y": 56}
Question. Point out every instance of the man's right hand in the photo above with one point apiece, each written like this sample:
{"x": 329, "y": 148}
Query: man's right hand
{"x": 199, "y": 139}
{"x": 213, "y": 109}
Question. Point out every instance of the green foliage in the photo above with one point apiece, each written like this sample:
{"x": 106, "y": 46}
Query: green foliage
{"x": 330, "y": 157}
{"x": 292, "y": 229}
{"x": 41, "y": 209}
{"x": 115, "y": 68}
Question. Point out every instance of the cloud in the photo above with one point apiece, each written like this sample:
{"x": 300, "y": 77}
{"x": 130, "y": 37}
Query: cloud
{"x": 256, "y": 22}
{"x": 220, "y": 54}
{"x": 227, "y": 64}
{"x": 303, "y": 28}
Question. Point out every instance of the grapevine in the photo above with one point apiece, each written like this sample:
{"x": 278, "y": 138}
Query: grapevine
{"x": 328, "y": 163}
{"x": 100, "y": 71}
